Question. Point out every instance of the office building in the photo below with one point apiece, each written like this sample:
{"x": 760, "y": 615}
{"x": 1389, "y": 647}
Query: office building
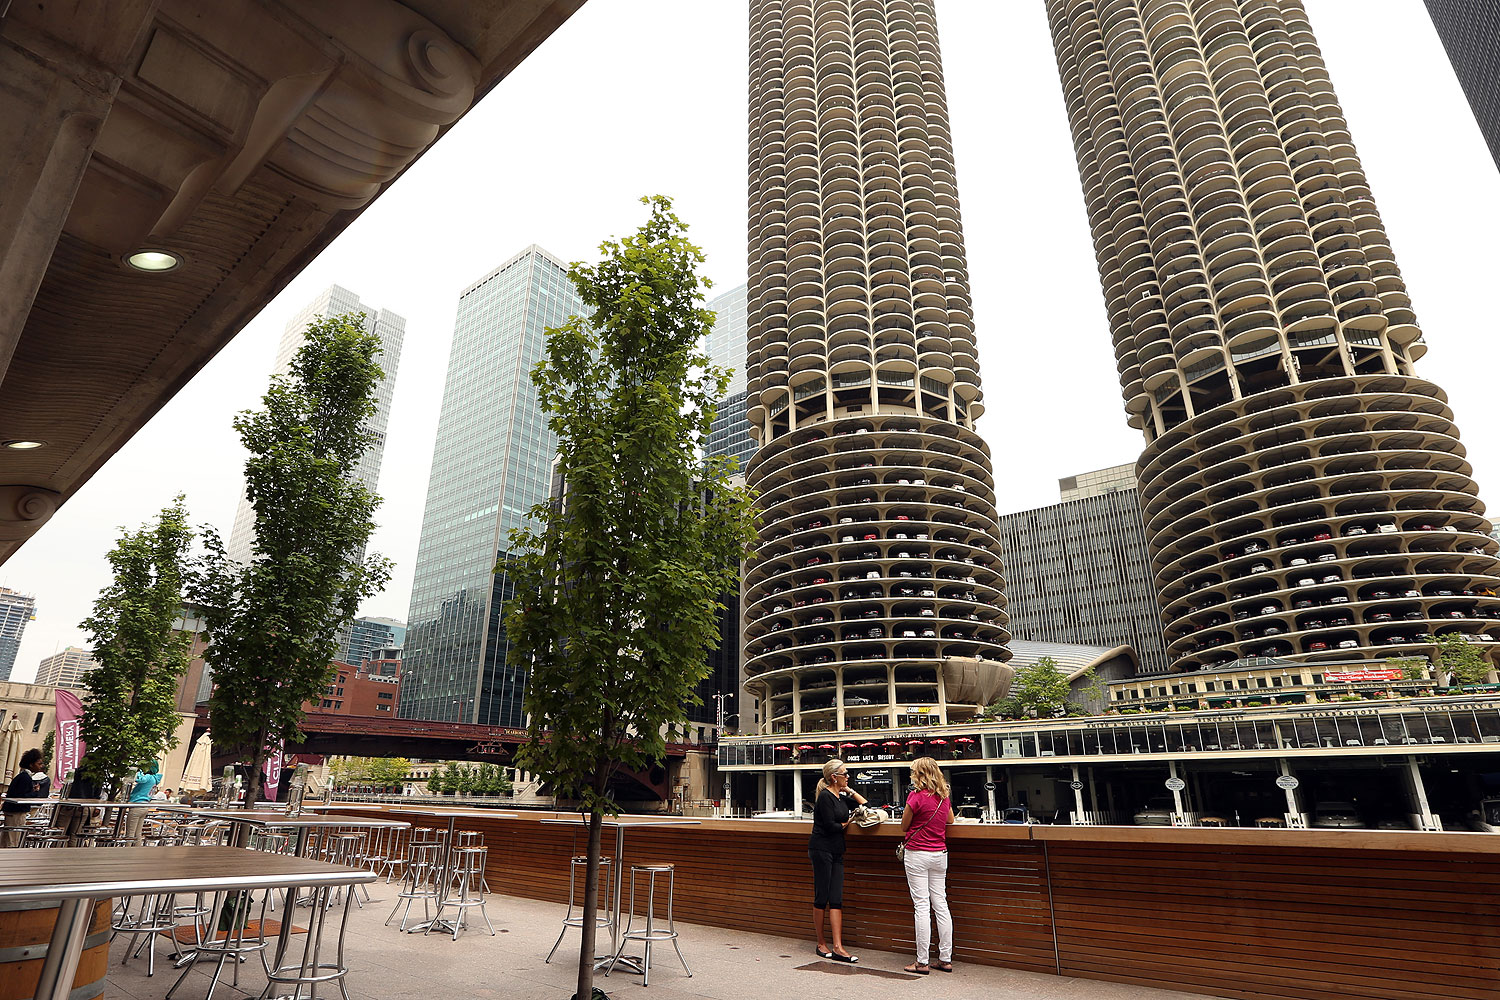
{"x": 1470, "y": 32}
{"x": 366, "y": 635}
{"x": 16, "y": 612}
{"x": 65, "y": 669}
{"x": 874, "y": 597}
{"x": 490, "y": 466}
{"x": 1078, "y": 571}
{"x": 1101, "y": 481}
{"x": 726, "y": 346}
{"x": 1304, "y": 491}
{"x": 391, "y": 329}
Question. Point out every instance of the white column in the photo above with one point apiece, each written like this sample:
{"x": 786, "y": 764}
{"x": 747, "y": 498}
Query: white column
{"x": 1292, "y": 806}
{"x": 989, "y": 788}
{"x": 1419, "y": 792}
{"x": 1176, "y": 795}
{"x": 1077, "y": 794}
{"x": 768, "y": 790}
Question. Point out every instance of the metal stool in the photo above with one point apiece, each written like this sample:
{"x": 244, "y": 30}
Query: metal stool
{"x": 237, "y": 942}
{"x": 153, "y": 915}
{"x": 396, "y": 851}
{"x": 423, "y": 863}
{"x": 346, "y": 848}
{"x": 580, "y": 864}
{"x": 472, "y": 838}
{"x": 652, "y": 933}
{"x": 468, "y": 866}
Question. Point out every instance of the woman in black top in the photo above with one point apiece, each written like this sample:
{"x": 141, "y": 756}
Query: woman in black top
{"x": 29, "y": 783}
{"x": 831, "y": 816}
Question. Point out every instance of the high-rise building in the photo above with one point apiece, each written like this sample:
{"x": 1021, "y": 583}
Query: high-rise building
{"x": 490, "y": 466}
{"x": 65, "y": 669}
{"x": 391, "y": 329}
{"x": 726, "y": 346}
{"x": 874, "y": 597}
{"x": 369, "y": 634}
{"x": 1092, "y": 484}
{"x": 1304, "y": 492}
{"x": 1078, "y": 571}
{"x": 1470, "y": 32}
{"x": 16, "y": 612}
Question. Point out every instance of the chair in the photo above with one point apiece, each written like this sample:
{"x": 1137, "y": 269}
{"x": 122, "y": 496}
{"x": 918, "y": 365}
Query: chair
{"x": 579, "y": 865}
{"x": 468, "y": 868}
{"x": 651, "y": 933}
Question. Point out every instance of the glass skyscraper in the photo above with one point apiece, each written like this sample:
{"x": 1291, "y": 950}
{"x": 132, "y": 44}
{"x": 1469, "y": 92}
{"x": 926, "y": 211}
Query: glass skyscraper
{"x": 335, "y": 300}
{"x": 490, "y": 466}
{"x": 16, "y": 611}
{"x": 730, "y": 433}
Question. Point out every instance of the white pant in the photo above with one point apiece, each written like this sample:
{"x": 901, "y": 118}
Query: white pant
{"x": 927, "y": 878}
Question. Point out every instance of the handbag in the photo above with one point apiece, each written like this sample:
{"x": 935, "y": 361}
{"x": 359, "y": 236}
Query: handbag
{"x": 901, "y": 852}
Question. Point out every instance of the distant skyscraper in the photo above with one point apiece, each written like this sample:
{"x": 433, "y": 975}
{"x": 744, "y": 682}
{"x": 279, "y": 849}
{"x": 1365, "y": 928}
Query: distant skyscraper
{"x": 874, "y": 597}
{"x": 1470, "y": 30}
{"x": 1304, "y": 492}
{"x": 730, "y": 434}
{"x": 491, "y": 464}
{"x": 391, "y": 329}
{"x": 366, "y": 635}
{"x": 65, "y": 669}
{"x": 1078, "y": 571}
{"x": 16, "y": 611}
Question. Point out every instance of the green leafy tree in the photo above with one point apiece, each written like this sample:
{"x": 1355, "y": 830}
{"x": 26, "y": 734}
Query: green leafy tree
{"x": 1412, "y": 668}
{"x": 617, "y": 588}
{"x": 435, "y": 783}
{"x": 272, "y": 622}
{"x": 1464, "y": 659}
{"x": 130, "y": 714}
{"x": 1037, "y": 690}
{"x": 451, "y": 778}
{"x": 48, "y": 745}
{"x": 389, "y": 772}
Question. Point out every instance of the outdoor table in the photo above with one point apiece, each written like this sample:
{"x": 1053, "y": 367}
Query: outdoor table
{"x": 76, "y": 877}
{"x": 304, "y": 824}
{"x": 446, "y": 874}
{"x": 120, "y": 807}
{"x": 630, "y": 962}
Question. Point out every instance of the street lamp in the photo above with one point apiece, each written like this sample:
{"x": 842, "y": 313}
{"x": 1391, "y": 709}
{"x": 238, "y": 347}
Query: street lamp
{"x": 720, "y": 699}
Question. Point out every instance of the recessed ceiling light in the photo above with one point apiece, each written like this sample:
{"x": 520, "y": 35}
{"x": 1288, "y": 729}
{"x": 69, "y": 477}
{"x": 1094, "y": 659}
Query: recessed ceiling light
{"x": 23, "y": 445}
{"x": 153, "y": 260}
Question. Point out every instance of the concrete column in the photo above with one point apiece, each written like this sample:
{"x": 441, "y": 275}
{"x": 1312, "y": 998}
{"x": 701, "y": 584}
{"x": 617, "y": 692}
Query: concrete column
{"x": 838, "y": 699}
{"x": 1293, "y": 805}
{"x": 942, "y": 697}
{"x": 1176, "y": 795}
{"x": 895, "y": 784}
{"x": 1077, "y": 794}
{"x": 1093, "y": 792}
{"x": 796, "y": 704}
{"x": 989, "y": 791}
{"x": 1419, "y": 794}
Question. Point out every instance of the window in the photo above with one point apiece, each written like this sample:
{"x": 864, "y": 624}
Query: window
{"x": 36, "y": 726}
{"x": 385, "y": 696}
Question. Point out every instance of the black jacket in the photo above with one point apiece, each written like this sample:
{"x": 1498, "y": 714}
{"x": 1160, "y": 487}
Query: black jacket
{"x": 24, "y": 786}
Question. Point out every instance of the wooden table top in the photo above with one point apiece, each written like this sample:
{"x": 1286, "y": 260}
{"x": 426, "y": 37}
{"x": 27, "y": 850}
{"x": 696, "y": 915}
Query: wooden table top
{"x": 73, "y": 872}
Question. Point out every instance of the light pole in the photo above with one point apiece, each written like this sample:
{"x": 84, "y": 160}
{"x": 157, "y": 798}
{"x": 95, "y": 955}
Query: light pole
{"x": 721, "y": 699}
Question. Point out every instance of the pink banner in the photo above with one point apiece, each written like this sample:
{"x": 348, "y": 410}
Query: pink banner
{"x": 69, "y": 747}
{"x": 272, "y": 770}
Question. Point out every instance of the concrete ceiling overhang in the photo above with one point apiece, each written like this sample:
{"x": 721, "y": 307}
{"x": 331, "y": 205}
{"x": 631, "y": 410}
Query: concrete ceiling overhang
{"x": 243, "y": 135}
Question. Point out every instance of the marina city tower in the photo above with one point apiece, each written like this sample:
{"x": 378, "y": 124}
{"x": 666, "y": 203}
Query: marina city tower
{"x": 1305, "y": 493}
{"x": 874, "y": 597}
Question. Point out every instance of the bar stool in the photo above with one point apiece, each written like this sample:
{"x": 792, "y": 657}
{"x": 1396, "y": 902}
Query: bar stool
{"x": 346, "y": 848}
{"x": 153, "y": 916}
{"x": 472, "y": 838}
{"x": 468, "y": 867}
{"x": 238, "y": 941}
{"x": 423, "y": 863}
{"x": 580, "y": 865}
{"x": 396, "y": 851}
{"x": 652, "y": 933}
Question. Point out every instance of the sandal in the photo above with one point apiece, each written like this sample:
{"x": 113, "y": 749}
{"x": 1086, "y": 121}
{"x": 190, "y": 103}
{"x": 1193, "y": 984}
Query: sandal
{"x": 917, "y": 968}
{"x": 943, "y": 966}
{"x": 851, "y": 959}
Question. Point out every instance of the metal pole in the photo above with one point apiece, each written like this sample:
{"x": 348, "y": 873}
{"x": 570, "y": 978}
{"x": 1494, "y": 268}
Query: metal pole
{"x": 65, "y": 949}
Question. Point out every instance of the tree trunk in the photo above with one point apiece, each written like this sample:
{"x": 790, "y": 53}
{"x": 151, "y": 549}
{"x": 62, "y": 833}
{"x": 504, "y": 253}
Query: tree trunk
{"x": 257, "y": 763}
{"x": 591, "y": 896}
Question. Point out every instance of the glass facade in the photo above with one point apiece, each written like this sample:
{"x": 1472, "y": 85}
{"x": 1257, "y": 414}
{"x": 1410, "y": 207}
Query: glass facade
{"x": 367, "y": 635}
{"x": 16, "y": 610}
{"x": 730, "y": 433}
{"x": 726, "y": 341}
{"x": 490, "y": 466}
{"x": 336, "y": 300}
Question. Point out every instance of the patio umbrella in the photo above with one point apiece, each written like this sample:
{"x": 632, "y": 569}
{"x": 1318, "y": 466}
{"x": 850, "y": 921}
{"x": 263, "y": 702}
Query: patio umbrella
{"x": 913, "y": 743}
{"x": 10, "y": 750}
{"x": 198, "y": 773}
{"x": 963, "y": 739}
{"x": 848, "y": 746}
{"x": 872, "y": 744}
{"x": 827, "y": 746}
{"x": 782, "y": 749}
{"x": 890, "y": 743}
{"x": 937, "y": 743}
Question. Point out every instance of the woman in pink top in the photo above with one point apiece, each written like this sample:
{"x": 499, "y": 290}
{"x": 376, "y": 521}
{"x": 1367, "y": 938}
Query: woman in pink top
{"x": 924, "y": 829}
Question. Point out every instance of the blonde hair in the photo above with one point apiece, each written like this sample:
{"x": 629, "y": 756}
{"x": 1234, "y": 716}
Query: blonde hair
{"x": 832, "y": 764}
{"x": 926, "y": 775}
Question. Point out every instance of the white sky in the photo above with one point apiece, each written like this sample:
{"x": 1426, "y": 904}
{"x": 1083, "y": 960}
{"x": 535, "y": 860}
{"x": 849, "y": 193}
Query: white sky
{"x": 634, "y": 97}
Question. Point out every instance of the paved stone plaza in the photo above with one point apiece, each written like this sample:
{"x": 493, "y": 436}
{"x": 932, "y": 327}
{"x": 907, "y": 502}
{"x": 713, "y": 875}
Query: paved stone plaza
{"x": 727, "y": 965}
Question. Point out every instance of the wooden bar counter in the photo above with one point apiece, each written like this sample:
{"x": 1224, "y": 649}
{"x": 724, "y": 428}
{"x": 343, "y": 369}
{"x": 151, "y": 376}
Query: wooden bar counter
{"x": 1310, "y": 914}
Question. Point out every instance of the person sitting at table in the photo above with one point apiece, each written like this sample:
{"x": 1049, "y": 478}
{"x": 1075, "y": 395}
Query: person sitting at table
{"x": 147, "y": 777}
{"x": 29, "y": 783}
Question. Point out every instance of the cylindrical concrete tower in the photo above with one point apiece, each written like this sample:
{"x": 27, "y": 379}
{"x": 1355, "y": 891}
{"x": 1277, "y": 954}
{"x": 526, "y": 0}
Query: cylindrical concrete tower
{"x": 1304, "y": 493}
{"x": 875, "y": 596}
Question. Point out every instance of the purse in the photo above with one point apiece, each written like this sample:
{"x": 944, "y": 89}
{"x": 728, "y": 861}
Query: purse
{"x": 901, "y": 852}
